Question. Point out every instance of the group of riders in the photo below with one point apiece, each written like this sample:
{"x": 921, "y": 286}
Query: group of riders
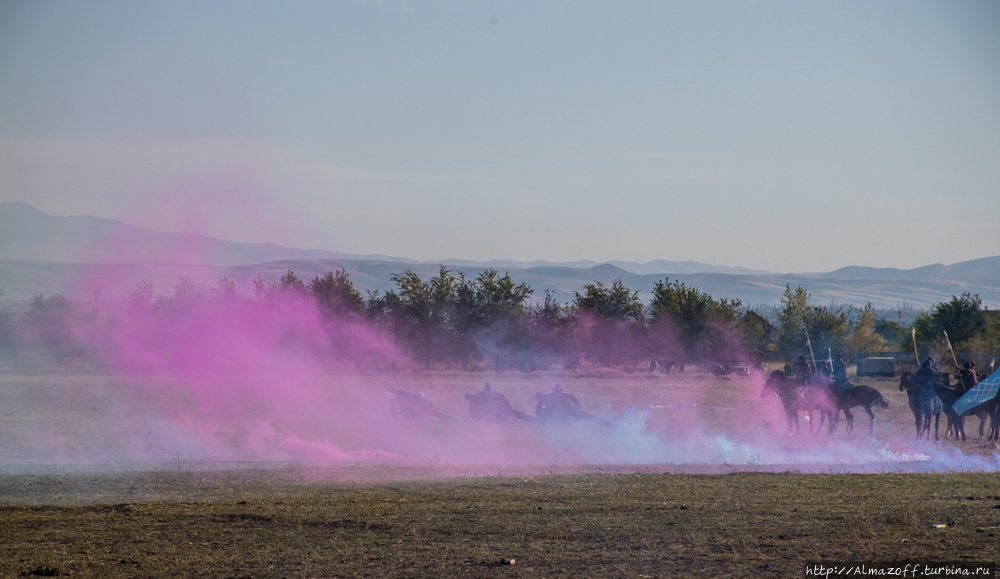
{"x": 930, "y": 375}
{"x": 832, "y": 374}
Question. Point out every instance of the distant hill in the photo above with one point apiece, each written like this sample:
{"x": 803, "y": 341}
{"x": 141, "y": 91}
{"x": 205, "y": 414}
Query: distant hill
{"x": 984, "y": 268}
{"x": 31, "y": 235}
{"x": 44, "y": 254}
{"x": 28, "y": 234}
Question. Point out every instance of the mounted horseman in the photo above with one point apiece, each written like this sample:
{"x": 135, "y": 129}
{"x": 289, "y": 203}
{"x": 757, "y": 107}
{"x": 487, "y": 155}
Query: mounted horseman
{"x": 802, "y": 370}
{"x": 840, "y": 382}
{"x": 924, "y": 402}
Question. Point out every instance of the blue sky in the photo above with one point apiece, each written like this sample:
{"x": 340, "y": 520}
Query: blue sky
{"x": 787, "y": 136}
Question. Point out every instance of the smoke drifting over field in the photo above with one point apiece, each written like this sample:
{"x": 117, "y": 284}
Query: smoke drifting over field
{"x": 210, "y": 378}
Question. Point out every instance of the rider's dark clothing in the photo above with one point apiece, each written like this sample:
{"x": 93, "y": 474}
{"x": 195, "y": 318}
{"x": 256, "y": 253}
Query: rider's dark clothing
{"x": 925, "y": 379}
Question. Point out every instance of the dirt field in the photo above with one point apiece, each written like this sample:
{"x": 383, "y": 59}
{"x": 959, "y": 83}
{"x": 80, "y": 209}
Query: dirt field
{"x": 111, "y": 476}
{"x": 61, "y": 420}
{"x": 277, "y": 524}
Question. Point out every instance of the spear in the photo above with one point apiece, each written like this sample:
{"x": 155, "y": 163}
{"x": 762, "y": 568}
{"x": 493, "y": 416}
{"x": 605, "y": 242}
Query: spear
{"x": 953, "y": 358}
{"x": 813, "y": 356}
{"x": 916, "y": 356}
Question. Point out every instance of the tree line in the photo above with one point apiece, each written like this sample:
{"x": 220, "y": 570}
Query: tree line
{"x": 489, "y": 321}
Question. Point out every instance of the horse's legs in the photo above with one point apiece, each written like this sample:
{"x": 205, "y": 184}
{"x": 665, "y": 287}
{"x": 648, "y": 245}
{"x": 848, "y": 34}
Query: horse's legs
{"x": 871, "y": 425}
{"x": 849, "y": 417}
{"x": 954, "y": 424}
{"x": 994, "y": 432}
{"x": 919, "y": 419}
{"x": 937, "y": 422}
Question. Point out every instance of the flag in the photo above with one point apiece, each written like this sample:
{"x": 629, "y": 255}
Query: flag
{"x": 982, "y": 392}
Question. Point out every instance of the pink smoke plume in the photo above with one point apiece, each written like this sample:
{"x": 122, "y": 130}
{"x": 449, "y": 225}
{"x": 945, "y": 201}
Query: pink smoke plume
{"x": 208, "y": 374}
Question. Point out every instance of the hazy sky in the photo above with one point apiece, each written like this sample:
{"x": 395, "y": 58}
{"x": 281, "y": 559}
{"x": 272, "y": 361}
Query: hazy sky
{"x": 788, "y": 136}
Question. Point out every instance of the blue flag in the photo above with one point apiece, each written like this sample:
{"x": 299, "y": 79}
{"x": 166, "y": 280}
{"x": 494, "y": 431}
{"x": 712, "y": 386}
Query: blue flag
{"x": 982, "y": 392}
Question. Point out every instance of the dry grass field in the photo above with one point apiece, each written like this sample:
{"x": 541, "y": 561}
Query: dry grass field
{"x": 622, "y": 525}
{"x": 105, "y": 476}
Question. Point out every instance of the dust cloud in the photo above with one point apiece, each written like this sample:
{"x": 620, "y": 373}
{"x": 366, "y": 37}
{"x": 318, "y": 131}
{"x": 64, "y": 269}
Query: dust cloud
{"x": 221, "y": 380}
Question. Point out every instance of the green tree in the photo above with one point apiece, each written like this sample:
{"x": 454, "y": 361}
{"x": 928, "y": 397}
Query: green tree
{"x": 336, "y": 295}
{"x": 490, "y": 317}
{"x": 424, "y": 315}
{"x": 827, "y": 327}
{"x": 614, "y": 303}
{"x": 757, "y": 333}
{"x": 792, "y": 318}
{"x": 986, "y": 344}
{"x": 289, "y": 288}
{"x": 895, "y": 336}
{"x": 550, "y": 326}
{"x": 804, "y": 325}
{"x": 706, "y": 327}
{"x": 608, "y": 324}
{"x": 962, "y": 317}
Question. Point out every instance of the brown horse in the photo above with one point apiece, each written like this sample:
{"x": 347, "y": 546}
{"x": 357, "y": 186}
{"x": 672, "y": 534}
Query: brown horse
{"x": 795, "y": 397}
{"x": 923, "y": 404}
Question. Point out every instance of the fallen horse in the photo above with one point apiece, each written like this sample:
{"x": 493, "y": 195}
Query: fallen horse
{"x": 407, "y": 406}
{"x": 493, "y": 407}
{"x": 558, "y": 407}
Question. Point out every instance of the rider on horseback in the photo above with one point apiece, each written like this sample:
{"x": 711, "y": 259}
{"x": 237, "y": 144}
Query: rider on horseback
{"x": 840, "y": 384}
{"x": 802, "y": 370}
{"x": 967, "y": 376}
{"x": 925, "y": 379}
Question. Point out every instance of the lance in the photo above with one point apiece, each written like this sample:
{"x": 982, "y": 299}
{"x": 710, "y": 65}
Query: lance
{"x": 916, "y": 356}
{"x": 953, "y": 358}
{"x": 813, "y": 356}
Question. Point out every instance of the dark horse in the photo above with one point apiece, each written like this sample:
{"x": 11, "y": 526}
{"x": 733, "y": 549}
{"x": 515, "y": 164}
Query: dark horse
{"x": 795, "y": 397}
{"x": 923, "y": 405}
{"x": 956, "y": 423}
{"x": 863, "y": 396}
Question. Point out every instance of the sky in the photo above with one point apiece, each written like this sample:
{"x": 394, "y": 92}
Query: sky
{"x": 782, "y": 136}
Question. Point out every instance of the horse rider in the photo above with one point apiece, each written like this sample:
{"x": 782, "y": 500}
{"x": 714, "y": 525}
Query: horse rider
{"x": 967, "y": 376}
{"x": 925, "y": 379}
{"x": 823, "y": 372}
{"x": 802, "y": 370}
{"x": 840, "y": 383}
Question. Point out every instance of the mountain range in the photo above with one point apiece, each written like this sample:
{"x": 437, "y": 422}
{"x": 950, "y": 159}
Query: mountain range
{"x": 75, "y": 255}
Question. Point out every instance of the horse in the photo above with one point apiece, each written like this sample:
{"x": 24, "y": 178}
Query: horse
{"x": 863, "y": 396}
{"x": 795, "y": 397}
{"x": 923, "y": 405}
{"x": 993, "y": 408}
{"x": 949, "y": 396}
